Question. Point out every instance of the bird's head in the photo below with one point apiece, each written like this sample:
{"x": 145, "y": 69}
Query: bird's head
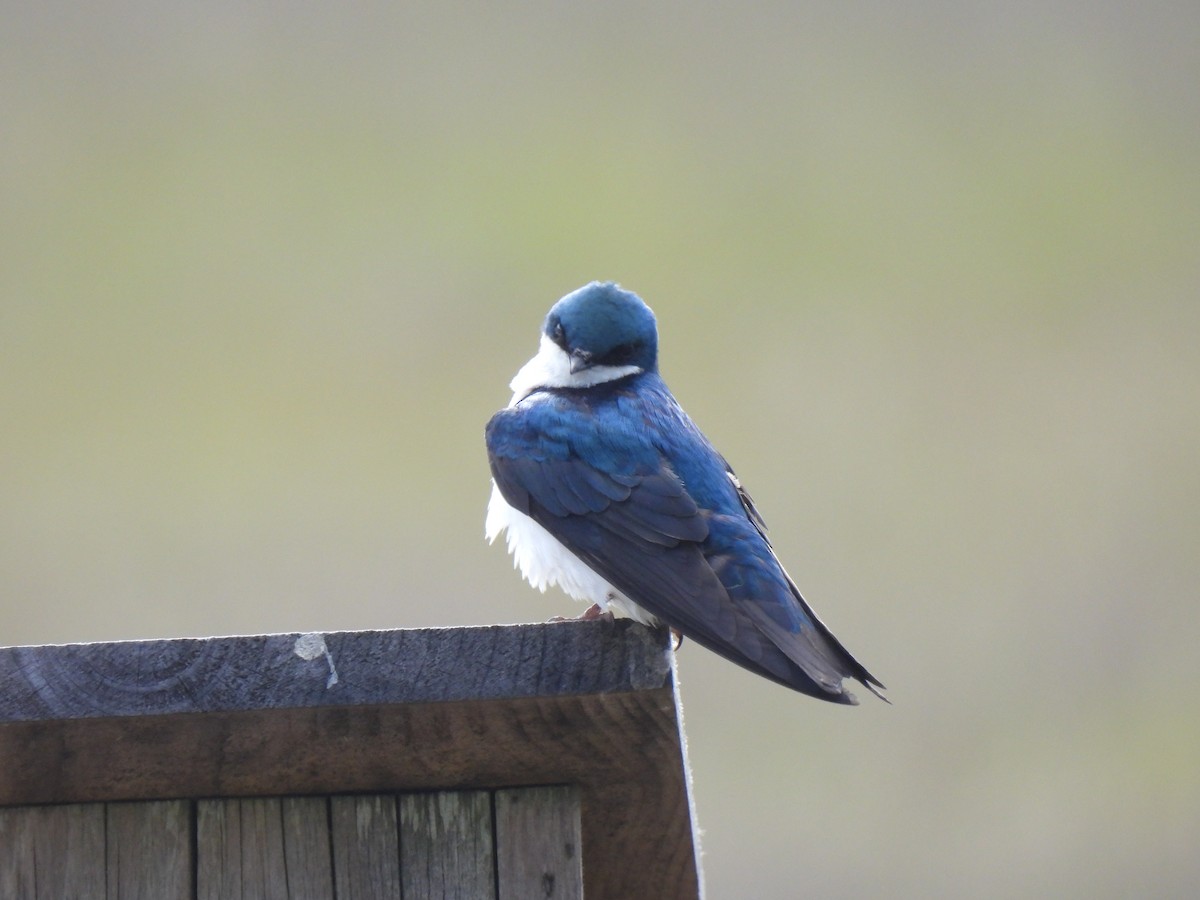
{"x": 602, "y": 325}
{"x": 596, "y": 334}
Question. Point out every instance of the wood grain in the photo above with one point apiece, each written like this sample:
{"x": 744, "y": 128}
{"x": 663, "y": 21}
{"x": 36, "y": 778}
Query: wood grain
{"x": 422, "y": 665}
{"x": 306, "y": 848}
{"x": 263, "y": 849}
{"x": 366, "y": 852}
{"x": 149, "y": 850}
{"x": 447, "y": 846}
{"x": 538, "y": 845}
{"x": 52, "y": 852}
{"x": 590, "y": 704}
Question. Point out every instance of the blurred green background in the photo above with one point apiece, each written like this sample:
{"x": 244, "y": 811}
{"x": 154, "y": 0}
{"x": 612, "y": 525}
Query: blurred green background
{"x": 926, "y": 273}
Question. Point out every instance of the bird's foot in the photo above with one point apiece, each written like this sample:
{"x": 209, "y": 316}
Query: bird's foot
{"x": 591, "y": 614}
{"x": 675, "y": 633}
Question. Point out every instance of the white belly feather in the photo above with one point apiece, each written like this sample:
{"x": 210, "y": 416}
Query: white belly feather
{"x": 545, "y": 562}
{"x": 536, "y": 552}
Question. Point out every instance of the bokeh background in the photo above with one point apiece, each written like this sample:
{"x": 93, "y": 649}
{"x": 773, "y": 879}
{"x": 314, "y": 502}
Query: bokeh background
{"x": 927, "y": 273}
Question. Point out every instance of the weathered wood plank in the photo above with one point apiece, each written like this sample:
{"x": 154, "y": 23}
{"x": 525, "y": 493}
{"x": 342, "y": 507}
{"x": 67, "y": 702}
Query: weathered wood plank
{"x": 52, "y": 852}
{"x": 590, "y": 704}
{"x": 149, "y": 850}
{"x": 18, "y": 861}
{"x": 538, "y": 843}
{"x": 306, "y": 848}
{"x": 263, "y": 849}
{"x": 420, "y": 665}
{"x": 447, "y": 846}
{"x": 366, "y": 852}
{"x": 263, "y": 871}
{"x": 218, "y": 850}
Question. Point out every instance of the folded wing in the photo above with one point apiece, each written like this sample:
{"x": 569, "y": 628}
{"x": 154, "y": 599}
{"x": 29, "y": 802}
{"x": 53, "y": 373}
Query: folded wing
{"x": 712, "y": 576}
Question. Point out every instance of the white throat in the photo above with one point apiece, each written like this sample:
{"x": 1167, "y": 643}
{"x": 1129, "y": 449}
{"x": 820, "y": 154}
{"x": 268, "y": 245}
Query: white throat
{"x": 551, "y": 368}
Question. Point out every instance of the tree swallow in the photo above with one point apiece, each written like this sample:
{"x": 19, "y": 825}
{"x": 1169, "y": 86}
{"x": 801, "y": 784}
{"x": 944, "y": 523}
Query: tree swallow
{"x": 606, "y": 488}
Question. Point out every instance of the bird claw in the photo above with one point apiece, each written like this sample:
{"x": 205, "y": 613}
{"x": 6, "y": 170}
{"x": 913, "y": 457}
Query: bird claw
{"x": 591, "y": 614}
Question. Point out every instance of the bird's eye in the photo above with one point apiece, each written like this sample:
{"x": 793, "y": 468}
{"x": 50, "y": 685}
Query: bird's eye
{"x": 559, "y": 336}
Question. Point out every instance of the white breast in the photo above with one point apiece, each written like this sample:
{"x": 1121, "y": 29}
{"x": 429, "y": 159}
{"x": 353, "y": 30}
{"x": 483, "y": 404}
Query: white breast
{"x": 550, "y": 367}
{"x": 545, "y": 562}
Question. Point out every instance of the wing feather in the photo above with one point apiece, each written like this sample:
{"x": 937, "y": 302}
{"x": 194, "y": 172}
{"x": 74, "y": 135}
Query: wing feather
{"x": 713, "y": 576}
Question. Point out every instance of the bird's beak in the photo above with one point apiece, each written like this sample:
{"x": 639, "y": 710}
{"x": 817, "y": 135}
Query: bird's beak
{"x": 580, "y": 360}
